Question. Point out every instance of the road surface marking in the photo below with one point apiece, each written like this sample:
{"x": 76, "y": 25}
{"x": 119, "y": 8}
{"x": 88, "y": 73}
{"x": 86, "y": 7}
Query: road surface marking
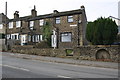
{"x": 60, "y": 76}
{"x": 15, "y": 67}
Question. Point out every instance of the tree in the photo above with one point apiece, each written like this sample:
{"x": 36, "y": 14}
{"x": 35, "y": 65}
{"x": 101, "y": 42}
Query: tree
{"x": 102, "y": 31}
{"x": 47, "y": 33}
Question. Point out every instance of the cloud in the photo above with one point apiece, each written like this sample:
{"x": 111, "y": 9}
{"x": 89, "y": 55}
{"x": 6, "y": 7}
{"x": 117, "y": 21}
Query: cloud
{"x": 94, "y": 8}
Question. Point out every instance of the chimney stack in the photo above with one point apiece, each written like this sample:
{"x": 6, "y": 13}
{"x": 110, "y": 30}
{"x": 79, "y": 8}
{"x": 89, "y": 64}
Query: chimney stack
{"x": 82, "y": 7}
{"x": 16, "y": 14}
{"x": 34, "y": 12}
{"x": 55, "y": 11}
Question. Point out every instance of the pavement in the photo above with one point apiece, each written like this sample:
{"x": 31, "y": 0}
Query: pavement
{"x": 14, "y": 67}
{"x": 112, "y": 65}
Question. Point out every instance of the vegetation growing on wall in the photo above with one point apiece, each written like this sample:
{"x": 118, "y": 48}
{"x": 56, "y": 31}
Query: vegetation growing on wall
{"x": 47, "y": 33}
{"x": 102, "y": 31}
{"x": 69, "y": 52}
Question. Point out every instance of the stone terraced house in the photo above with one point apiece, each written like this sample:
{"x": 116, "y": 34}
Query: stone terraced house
{"x": 3, "y": 19}
{"x": 68, "y": 28}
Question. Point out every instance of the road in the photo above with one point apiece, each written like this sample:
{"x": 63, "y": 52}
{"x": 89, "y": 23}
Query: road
{"x": 13, "y": 67}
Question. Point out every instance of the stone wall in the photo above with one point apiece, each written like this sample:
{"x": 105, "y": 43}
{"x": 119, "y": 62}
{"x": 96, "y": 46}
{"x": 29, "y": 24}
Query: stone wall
{"x": 41, "y": 52}
{"x": 2, "y": 44}
{"x": 102, "y": 53}
{"x": 99, "y": 53}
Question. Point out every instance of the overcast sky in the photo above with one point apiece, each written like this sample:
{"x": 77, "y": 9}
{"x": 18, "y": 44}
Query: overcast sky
{"x": 94, "y": 8}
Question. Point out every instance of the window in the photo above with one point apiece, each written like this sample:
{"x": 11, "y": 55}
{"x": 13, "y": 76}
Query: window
{"x": 10, "y": 25}
{"x": 31, "y": 25}
{"x": 33, "y": 38}
{"x": 1, "y": 26}
{"x": 41, "y": 38}
{"x": 18, "y": 37}
{"x": 29, "y": 38}
{"x": 14, "y": 36}
{"x": 57, "y": 21}
{"x": 8, "y": 36}
{"x": 2, "y": 36}
{"x": 66, "y": 37}
{"x": 37, "y": 39}
{"x": 70, "y": 18}
{"x": 41, "y": 22}
{"x": 18, "y": 23}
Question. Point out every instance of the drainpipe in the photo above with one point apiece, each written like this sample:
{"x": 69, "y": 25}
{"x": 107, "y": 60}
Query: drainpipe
{"x": 78, "y": 42}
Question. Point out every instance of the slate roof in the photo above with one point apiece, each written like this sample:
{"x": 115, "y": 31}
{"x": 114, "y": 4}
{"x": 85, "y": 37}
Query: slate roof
{"x": 25, "y": 18}
{"x": 65, "y": 13}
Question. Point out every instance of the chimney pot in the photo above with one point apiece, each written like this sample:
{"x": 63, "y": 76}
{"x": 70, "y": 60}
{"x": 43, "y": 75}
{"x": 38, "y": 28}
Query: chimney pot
{"x": 82, "y": 7}
{"x": 55, "y": 11}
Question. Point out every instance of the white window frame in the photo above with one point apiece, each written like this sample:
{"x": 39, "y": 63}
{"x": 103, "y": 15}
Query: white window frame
{"x": 31, "y": 25}
{"x": 41, "y": 37}
{"x": 13, "y": 36}
{"x": 29, "y": 37}
{"x": 70, "y": 18}
{"x": 33, "y": 38}
{"x": 1, "y": 26}
{"x": 57, "y": 20}
{"x": 37, "y": 38}
{"x": 8, "y": 36}
{"x": 67, "y": 35}
{"x": 41, "y": 22}
{"x": 10, "y": 25}
{"x": 17, "y": 36}
{"x": 18, "y": 24}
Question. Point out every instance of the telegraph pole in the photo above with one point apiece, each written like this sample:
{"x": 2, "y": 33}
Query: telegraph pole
{"x": 6, "y": 25}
